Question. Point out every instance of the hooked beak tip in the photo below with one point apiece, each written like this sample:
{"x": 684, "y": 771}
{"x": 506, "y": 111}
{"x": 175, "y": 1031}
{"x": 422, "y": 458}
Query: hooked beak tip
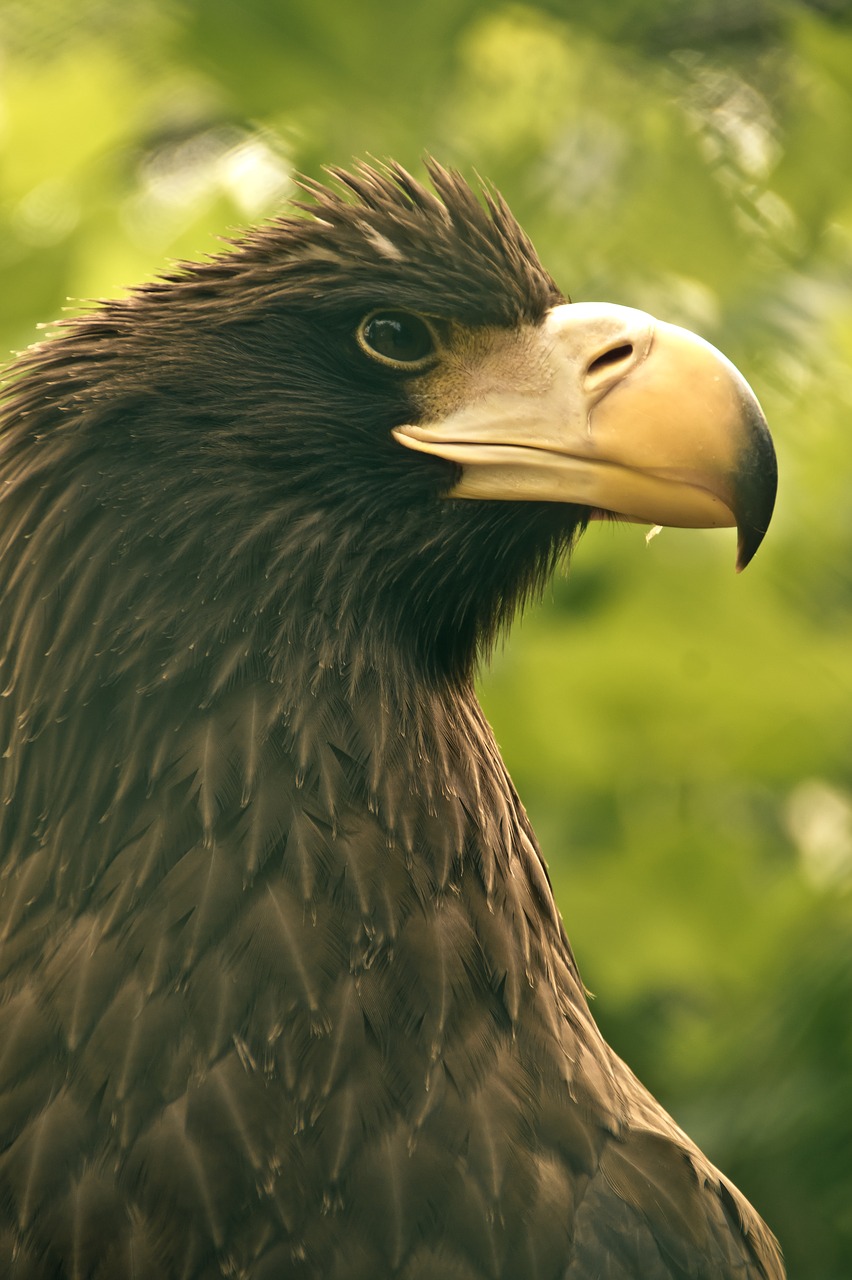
{"x": 756, "y": 489}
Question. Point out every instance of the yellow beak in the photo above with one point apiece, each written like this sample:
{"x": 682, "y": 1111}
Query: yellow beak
{"x": 627, "y": 415}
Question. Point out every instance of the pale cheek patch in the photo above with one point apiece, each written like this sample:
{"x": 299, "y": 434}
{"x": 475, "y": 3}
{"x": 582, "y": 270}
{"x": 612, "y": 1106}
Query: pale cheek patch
{"x": 481, "y": 363}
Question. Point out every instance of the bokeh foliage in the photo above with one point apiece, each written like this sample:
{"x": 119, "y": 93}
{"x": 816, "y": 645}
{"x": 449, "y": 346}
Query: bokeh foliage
{"x": 682, "y": 738}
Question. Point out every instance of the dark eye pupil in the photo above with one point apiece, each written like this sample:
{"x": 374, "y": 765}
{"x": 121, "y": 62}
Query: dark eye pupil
{"x": 398, "y": 336}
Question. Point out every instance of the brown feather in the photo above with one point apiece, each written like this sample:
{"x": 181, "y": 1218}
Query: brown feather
{"x": 283, "y": 989}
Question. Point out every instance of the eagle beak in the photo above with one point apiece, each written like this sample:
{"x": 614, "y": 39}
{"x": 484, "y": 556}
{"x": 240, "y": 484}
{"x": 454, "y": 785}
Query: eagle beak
{"x": 621, "y": 413}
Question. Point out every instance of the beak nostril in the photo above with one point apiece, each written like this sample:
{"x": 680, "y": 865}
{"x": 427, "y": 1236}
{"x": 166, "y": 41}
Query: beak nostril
{"x": 612, "y": 357}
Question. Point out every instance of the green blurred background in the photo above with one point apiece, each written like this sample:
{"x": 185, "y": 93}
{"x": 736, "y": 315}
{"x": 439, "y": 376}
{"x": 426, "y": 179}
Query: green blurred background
{"x": 682, "y": 737}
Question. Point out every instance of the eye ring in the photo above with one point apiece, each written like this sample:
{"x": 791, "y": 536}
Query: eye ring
{"x": 398, "y": 339}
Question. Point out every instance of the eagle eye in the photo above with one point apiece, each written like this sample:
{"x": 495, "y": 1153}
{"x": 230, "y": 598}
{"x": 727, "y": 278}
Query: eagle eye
{"x": 397, "y": 338}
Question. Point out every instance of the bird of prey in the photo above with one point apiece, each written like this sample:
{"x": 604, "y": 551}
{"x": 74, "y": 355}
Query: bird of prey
{"x": 283, "y": 989}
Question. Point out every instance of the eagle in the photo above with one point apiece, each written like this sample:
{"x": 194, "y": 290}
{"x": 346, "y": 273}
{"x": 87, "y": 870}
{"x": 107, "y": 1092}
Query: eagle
{"x": 284, "y": 993}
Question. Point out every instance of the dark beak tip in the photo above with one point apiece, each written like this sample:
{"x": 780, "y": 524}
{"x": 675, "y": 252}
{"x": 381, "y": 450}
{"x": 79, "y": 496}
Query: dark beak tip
{"x": 748, "y": 542}
{"x": 752, "y": 530}
{"x": 758, "y": 484}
